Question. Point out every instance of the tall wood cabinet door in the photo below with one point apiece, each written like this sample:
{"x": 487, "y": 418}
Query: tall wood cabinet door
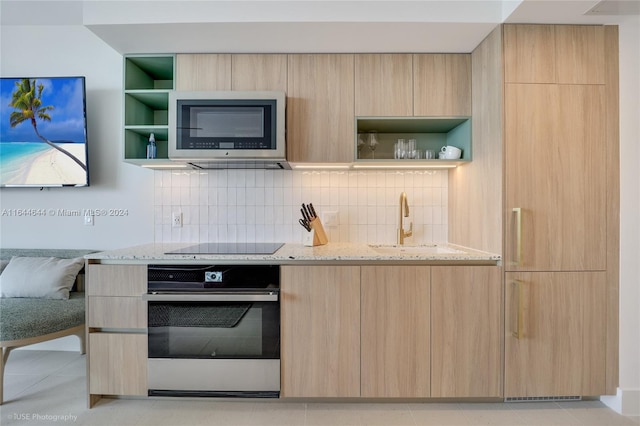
{"x": 320, "y": 119}
{"x": 556, "y": 175}
{"x": 203, "y": 71}
{"x": 466, "y": 331}
{"x": 563, "y": 54}
{"x": 117, "y": 364}
{"x": 580, "y": 56}
{"x": 555, "y": 334}
{"x": 384, "y": 85}
{"x": 395, "y": 331}
{"x": 320, "y": 314}
{"x": 259, "y": 72}
{"x": 529, "y": 53}
{"x": 442, "y": 85}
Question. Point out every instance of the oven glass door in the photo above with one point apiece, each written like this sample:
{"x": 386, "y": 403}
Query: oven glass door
{"x": 214, "y": 330}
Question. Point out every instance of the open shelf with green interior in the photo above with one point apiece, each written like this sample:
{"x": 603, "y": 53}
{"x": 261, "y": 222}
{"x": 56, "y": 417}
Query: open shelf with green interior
{"x": 430, "y": 133}
{"x": 148, "y": 79}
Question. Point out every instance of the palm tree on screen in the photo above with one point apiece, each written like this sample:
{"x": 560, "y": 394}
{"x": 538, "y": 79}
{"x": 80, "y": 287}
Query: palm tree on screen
{"x": 28, "y": 106}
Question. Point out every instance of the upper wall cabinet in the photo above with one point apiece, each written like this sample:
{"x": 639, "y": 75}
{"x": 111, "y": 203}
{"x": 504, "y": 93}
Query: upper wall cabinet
{"x": 147, "y": 82}
{"x": 421, "y": 85}
{"x": 426, "y": 97}
{"x": 320, "y": 106}
{"x": 231, "y": 72}
{"x": 259, "y": 72}
{"x": 203, "y": 72}
{"x": 562, "y": 54}
{"x": 441, "y": 85}
{"x": 384, "y": 85}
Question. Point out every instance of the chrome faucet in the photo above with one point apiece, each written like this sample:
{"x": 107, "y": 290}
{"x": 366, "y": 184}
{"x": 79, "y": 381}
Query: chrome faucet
{"x": 404, "y": 212}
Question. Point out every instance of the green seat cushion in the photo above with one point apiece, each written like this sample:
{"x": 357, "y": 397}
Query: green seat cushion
{"x": 23, "y": 318}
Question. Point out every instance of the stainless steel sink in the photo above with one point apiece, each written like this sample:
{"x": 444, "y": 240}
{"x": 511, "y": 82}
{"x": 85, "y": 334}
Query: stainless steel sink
{"x": 413, "y": 250}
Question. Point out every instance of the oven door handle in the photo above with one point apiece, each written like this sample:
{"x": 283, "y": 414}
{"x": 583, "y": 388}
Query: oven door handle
{"x": 209, "y": 297}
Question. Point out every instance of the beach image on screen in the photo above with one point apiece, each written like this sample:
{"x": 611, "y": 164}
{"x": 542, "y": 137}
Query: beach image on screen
{"x": 43, "y": 139}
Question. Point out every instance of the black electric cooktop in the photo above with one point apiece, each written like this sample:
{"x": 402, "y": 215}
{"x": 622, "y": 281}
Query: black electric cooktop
{"x": 229, "y": 248}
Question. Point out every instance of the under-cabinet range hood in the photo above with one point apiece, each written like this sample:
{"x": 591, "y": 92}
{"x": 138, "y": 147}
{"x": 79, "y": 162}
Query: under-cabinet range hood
{"x": 228, "y": 163}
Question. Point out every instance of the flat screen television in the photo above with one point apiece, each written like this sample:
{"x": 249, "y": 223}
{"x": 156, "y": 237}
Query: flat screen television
{"x": 43, "y": 132}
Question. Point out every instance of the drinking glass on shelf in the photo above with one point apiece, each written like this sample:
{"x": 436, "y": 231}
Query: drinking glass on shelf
{"x": 399, "y": 150}
{"x": 411, "y": 149}
{"x": 429, "y": 154}
{"x": 373, "y": 143}
{"x": 360, "y": 143}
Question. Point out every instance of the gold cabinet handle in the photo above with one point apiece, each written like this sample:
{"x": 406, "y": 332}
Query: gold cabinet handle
{"x": 518, "y": 328}
{"x": 518, "y": 212}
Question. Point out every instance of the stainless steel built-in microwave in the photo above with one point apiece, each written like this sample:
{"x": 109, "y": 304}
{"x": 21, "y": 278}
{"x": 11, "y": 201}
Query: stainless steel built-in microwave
{"x": 230, "y": 129}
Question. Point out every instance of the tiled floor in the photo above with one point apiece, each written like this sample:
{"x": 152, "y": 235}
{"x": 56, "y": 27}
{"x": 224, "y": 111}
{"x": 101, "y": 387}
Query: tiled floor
{"x": 48, "y": 387}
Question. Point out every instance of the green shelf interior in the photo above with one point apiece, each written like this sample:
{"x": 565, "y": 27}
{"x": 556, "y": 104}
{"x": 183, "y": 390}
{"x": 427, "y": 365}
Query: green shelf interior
{"x": 136, "y": 140}
{"x": 148, "y": 72}
{"x": 429, "y": 133}
{"x": 146, "y": 108}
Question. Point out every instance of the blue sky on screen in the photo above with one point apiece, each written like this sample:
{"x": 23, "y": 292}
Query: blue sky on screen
{"x": 67, "y": 123}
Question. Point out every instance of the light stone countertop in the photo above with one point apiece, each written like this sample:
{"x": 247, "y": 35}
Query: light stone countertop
{"x": 291, "y": 254}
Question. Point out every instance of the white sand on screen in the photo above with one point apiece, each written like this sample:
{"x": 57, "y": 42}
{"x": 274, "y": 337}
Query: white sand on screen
{"x": 54, "y": 166}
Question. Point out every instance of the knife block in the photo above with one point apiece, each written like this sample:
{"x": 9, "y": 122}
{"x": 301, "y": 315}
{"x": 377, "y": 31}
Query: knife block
{"x": 317, "y": 236}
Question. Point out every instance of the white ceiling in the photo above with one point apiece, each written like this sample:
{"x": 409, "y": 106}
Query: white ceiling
{"x": 146, "y": 26}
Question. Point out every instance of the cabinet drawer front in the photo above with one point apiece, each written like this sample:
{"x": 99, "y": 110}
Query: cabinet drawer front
{"x": 116, "y": 280}
{"x": 117, "y": 312}
{"x": 118, "y": 364}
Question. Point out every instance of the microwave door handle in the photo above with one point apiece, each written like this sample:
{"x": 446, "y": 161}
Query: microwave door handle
{"x": 210, "y": 297}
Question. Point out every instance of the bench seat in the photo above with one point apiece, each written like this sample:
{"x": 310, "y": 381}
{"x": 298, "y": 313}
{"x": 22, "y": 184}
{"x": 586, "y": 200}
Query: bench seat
{"x": 29, "y": 318}
{"x": 26, "y": 321}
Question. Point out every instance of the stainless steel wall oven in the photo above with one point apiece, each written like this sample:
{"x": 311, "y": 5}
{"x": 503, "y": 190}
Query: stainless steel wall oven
{"x": 214, "y": 330}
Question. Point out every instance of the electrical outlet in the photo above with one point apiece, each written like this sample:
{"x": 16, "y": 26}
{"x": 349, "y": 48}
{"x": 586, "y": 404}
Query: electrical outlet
{"x": 176, "y": 220}
{"x": 88, "y": 220}
{"x": 330, "y": 218}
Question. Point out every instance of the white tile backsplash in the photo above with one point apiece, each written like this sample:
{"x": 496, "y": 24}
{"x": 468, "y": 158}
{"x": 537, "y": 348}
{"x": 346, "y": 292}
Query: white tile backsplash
{"x": 264, "y": 205}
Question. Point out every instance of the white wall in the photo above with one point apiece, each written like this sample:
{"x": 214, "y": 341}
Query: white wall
{"x": 629, "y": 391}
{"x": 74, "y": 50}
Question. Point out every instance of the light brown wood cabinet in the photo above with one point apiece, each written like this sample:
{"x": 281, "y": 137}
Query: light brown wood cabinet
{"x": 395, "y": 327}
{"x": 117, "y": 364}
{"x": 116, "y": 327}
{"x": 384, "y": 85}
{"x": 320, "y": 108}
{"x": 558, "y": 167}
{"x": 441, "y": 85}
{"x": 551, "y": 115}
{"x": 209, "y": 71}
{"x": 320, "y": 323}
{"x": 466, "y": 331}
{"x": 405, "y": 85}
{"x": 560, "y": 54}
{"x": 391, "y": 331}
{"x": 325, "y": 92}
{"x": 556, "y": 174}
{"x": 203, "y": 71}
{"x": 259, "y": 72}
{"x": 556, "y": 329}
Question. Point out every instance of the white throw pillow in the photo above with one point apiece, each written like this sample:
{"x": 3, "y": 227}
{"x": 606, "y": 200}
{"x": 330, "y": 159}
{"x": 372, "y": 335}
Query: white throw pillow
{"x": 3, "y": 264}
{"x": 39, "y": 277}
